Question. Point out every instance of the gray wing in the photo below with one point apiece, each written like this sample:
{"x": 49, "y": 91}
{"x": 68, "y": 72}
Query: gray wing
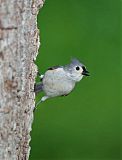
{"x": 38, "y": 87}
{"x": 54, "y": 67}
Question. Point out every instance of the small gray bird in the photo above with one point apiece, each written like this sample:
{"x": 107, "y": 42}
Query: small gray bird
{"x": 60, "y": 80}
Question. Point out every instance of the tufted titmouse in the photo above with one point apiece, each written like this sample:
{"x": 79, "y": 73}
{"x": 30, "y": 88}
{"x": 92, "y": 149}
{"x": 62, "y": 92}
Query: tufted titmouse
{"x": 60, "y": 80}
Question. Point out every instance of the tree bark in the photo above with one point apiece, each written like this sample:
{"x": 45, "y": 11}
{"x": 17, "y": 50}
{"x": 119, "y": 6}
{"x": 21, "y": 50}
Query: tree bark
{"x": 19, "y": 43}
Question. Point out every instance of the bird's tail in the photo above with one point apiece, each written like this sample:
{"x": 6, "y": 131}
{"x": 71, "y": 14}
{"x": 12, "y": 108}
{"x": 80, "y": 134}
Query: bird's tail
{"x": 38, "y": 87}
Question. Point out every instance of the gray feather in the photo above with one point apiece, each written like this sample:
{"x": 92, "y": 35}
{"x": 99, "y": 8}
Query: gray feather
{"x": 75, "y": 62}
{"x": 54, "y": 67}
{"x": 38, "y": 87}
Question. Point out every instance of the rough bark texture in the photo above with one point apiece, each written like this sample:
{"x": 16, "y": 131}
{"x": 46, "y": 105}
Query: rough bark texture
{"x": 19, "y": 44}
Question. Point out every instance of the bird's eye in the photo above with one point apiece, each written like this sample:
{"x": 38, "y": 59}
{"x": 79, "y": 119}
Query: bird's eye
{"x": 77, "y": 68}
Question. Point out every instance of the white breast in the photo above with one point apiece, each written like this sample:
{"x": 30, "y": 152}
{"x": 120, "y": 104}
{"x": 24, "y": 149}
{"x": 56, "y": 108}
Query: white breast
{"x": 56, "y": 83}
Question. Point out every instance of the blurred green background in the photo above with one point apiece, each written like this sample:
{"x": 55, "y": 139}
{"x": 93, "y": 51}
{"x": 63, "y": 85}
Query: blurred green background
{"x": 86, "y": 124}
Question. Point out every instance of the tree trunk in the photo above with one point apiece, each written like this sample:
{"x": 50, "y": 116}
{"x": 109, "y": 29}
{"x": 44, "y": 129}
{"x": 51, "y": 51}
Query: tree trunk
{"x": 19, "y": 44}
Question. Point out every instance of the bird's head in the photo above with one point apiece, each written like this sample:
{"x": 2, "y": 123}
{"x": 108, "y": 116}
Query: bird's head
{"x": 76, "y": 70}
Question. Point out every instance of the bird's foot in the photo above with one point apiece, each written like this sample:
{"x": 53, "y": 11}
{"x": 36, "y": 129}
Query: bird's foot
{"x": 42, "y": 100}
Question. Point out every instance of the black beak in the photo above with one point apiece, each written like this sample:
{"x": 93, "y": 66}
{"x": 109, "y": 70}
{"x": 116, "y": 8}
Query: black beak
{"x": 85, "y": 72}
